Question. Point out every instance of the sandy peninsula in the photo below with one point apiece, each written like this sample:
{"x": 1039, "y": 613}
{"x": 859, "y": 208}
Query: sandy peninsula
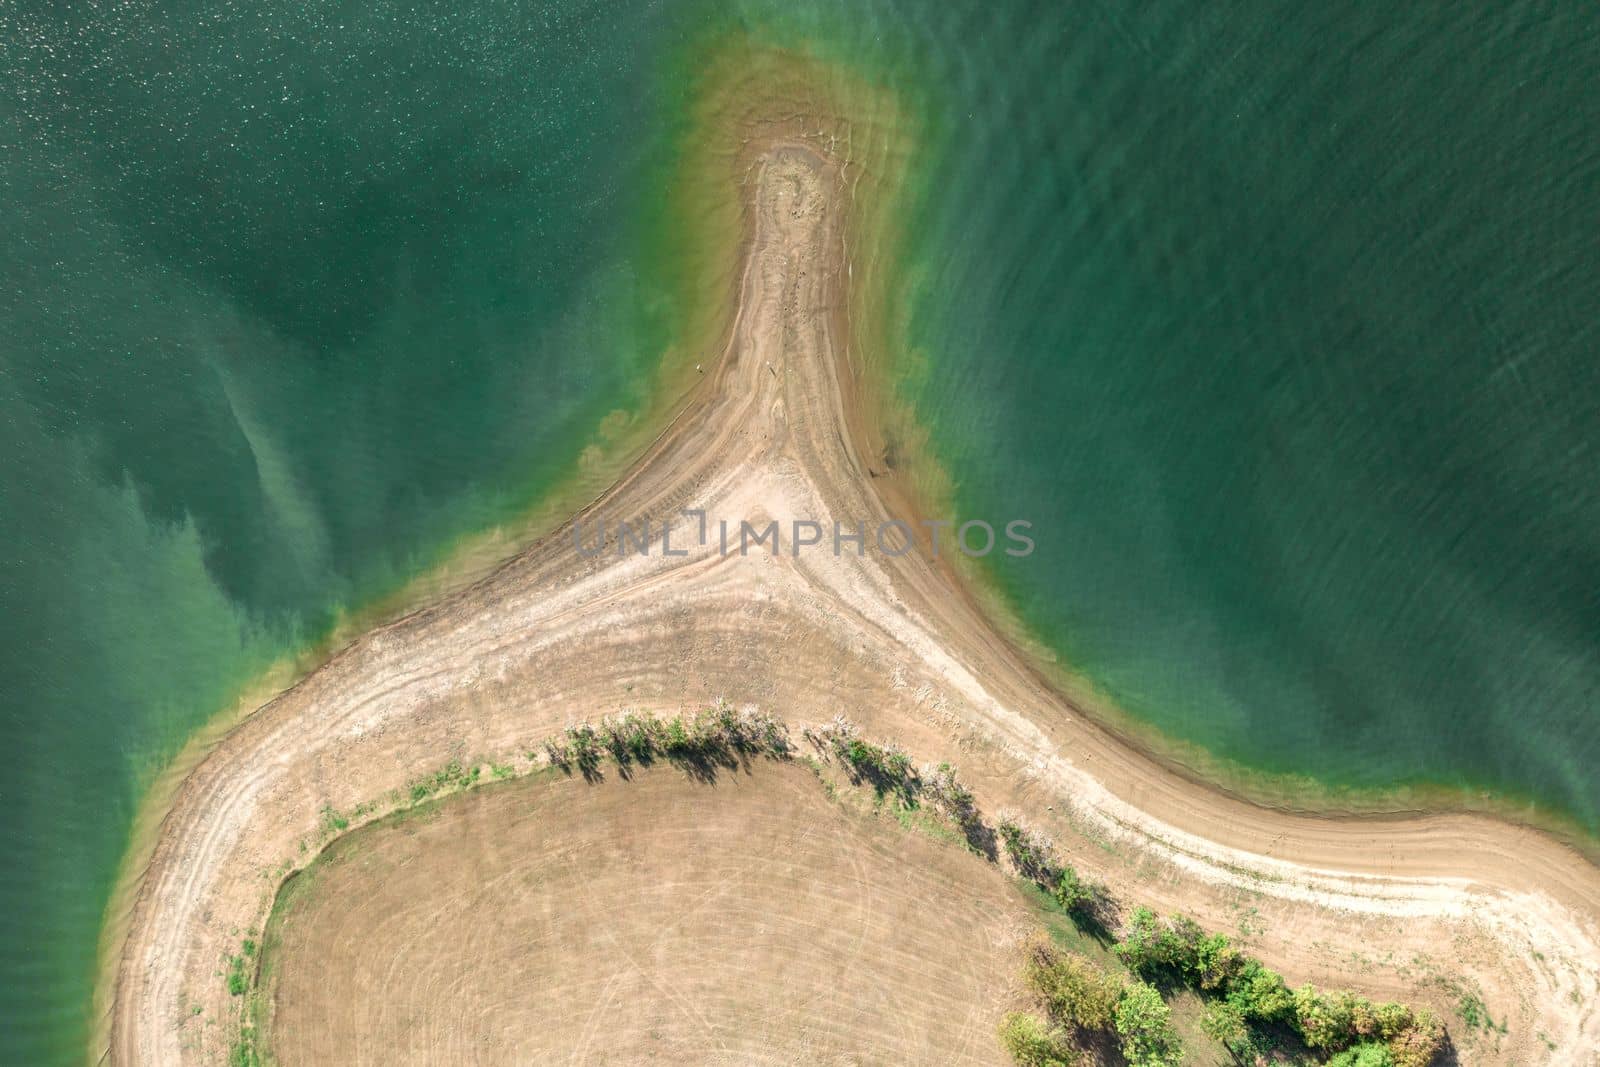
{"x": 1421, "y": 907}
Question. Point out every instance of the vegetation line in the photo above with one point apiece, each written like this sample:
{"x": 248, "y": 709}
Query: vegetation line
{"x": 1080, "y": 1008}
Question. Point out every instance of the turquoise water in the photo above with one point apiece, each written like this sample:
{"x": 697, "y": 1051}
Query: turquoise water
{"x": 290, "y": 300}
{"x": 1278, "y": 325}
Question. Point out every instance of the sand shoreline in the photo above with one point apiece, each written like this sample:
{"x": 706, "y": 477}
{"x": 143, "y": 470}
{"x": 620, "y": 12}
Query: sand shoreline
{"x": 776, "y": 431}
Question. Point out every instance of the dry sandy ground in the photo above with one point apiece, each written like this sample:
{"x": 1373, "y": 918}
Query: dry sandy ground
{"x": 1400, "y": 907}
{"x": 751, "y": 921}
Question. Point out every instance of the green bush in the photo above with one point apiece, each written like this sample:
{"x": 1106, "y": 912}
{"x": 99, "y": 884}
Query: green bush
{"x": 1325, "y": 1020}
{"x": 1260, "y": 994}
{"x": 243, "y": 1053}
{"x": 1216, "y": 963}
{"x": 1419, "y": 1043}
{"x": 584, "y": 741}
{"x": 1394, "y": 1020}
{"x": 1032, "y": 1044}
{"x": 1367, "y": 1055}
{"x": 1147, "y": 945}
{"x": 1144, "y": 1023}
{"x": 1225, "y": 1024}
{"x": 1179, "y": 950}
{"x": 1072, "y": 892}
{"x": 332, "y": 821}
{"x": 1074, "y": 991}
{"x": 1340, "y": 1019}
{"x": 675, "y": 738}
{"x": 238, "y": 980}
{"x": 885, "y": 767}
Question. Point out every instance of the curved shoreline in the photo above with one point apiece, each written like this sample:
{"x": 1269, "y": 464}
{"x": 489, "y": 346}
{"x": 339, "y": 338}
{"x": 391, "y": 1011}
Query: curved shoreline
{"x": 551, "y": 637}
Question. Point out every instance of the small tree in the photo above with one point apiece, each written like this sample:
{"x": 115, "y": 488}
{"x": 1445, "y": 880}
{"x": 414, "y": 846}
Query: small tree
{"x": 1260, "y": 994}
{"x": 1074, "y": 990}
{"x": 1225, "y": 1024}
{"x": 949, "y": 795}
{"x": 1032, "y": 1044}
{"x": 1147, "y": 944}
{"x": 1216, "y": 962}
{"x": 1325, "y": 1020}
{"x": 558, "y": 754}
{"x": 1072, "y": 892}
{"x": 1419, "y": 1044}
{"x": 1144, "y": 1023}
{"x": 584, "y": 741}
{"x": 676, "y": 741}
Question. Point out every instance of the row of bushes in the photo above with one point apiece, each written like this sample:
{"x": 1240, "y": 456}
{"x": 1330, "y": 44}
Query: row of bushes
{"x": 885, "y": 767}
{"x": 716, "y": 736}
{"x": 1253, "y": 1000}
{"x": 720, "y": 734}
{"x": 1085, "y": 1005}
{"x": 1252, "y": 1007}
{"x": 1032, "y": 853}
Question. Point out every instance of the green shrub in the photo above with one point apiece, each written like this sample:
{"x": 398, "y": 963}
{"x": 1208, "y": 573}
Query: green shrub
{"x": 1144, "y": 1024}
{"x": 1260, "y": 994}
{"x": 1365, "y": 1055}
{"x": 1393, "y": 1020}
{"x": 243, "y": 1053}
{"x": 1073, "y": 893}
{"x": 1074, "y": 991}
{"x": 587, "y": 748}
{"x": 675, "y": 738}
{"x": 1420, "y": 1043}
{"x": 1328, "y": 1021}
{"x": 1178, "y": 949}
{"x": 885, "y": 767}
{"x": 1032, "y": 1044}
{"x": 238, "y": 980}
{"x": 1216, "y": 963}
{"x": 332, "y": 821}
{"x": 1225, "y": 1024}
{"x": 1325, "y": 1020}
{"x": 1147, "y": 945}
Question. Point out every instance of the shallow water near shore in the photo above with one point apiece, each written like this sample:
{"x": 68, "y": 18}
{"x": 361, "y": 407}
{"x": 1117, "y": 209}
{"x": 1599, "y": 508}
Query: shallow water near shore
{"x": 1278, "y": 328}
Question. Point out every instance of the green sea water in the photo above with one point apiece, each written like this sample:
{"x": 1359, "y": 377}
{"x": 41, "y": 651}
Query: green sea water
{"x": 1279, "y": 324}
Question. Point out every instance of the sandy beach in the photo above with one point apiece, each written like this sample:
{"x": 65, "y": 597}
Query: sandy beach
{"x": 1423, "y": 907}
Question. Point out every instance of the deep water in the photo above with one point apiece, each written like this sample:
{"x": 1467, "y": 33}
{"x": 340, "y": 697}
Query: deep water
{"x": 1278, "y": 323}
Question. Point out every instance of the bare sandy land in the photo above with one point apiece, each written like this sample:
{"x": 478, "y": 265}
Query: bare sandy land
{"x": 1420, "y": 907}
{"x": 750, "y": 921}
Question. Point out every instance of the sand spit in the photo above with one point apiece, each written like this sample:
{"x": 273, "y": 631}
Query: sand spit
{"x": 1426, "y": 907}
